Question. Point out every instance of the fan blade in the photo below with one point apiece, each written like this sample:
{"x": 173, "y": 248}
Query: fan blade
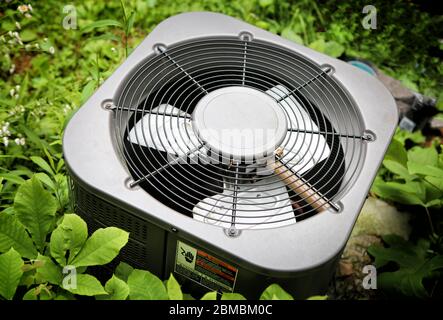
{"x": 165, "y": 128}
{"x": 268, "y": 196}
{"x": 302, "y": 151}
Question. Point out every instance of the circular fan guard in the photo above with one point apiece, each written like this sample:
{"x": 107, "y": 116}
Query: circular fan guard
{"x": 178, "y": 77}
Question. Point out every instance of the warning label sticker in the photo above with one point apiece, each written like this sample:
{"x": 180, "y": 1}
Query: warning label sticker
{"x": 204, "y": 269}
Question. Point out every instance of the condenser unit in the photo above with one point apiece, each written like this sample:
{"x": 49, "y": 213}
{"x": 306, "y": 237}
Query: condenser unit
{"x": 235, "y": 158}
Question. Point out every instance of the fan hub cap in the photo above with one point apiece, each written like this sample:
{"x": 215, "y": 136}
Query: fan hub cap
{"x": 240, "y": 123}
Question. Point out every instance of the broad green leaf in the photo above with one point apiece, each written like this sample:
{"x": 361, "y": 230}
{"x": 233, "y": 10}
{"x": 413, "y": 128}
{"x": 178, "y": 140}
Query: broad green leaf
{"x": 116, "y": 288}
{"x": 289, "y": 34}
{"x": 396, "y": 152}
{"x": 13, "y": 234}
{"x": 436, "y": 182}
{"x": 411, "y": 193}
{"x": 35, "y": 208}
{"x": 65, "y": 296}
{"x": 434, "y": 203}
{"x": 423, "y": 156}
{"x": 426, "y": 170}
{"x": 318, "y": 45}
{"x": 14, "y": 178}
{"x": 46, "y": 180}
{"x": 275, "y": 292}
{"x": 31, "y": 294}
{"x": 68, "y": 238}
{"x": 318, "y": 298}
{"x": 123, "y": 271}
{"x": 49, "y": 271}
{"x": 143, "y": 285}
{"x": 42, "y": 164}
{"x": 232, "y": 296}
{"x": 398, "y": 169}
{"x": 85, "y": 285}
{"x": 402, "y": 135}
{"x": 10, "y": 273}
{"x": 101, "y": 24}
{"x": 101, "y": 248}
{"x": 413, "y": 266}
{"x": 174, "y": 290}
{"x": 209, "y": 296}
{"x": 333, "y": 49}
{"x": 28, "y": 35}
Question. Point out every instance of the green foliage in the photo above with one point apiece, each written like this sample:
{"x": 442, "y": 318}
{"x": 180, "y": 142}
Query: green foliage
{"x": 116, "y": 289}
{"x": 28, "y": 229}
{"x": 275, "y": 292}
{"x": 413, "y": 265}
{"x": 413, "y": 177}
{"x": 13, "y": 234}
{"x": 173, "y": 288}
{"x": 101, "y": 248}
{"x": 10, "y": 273}
{"x": 35, "y": 208}
{"x": 86, "y": 285}
{"x": 143, "y": 285}
{"x": 68, "y": 239}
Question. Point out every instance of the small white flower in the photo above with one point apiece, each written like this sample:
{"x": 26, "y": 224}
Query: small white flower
{"x": 20, "y": 141}
{"x": 10, "y": 34}
{"x": 17, "y": 24}
{"x": 113, "y": 49}
{"x": 27, "y": 15}
{"x": 17, "y": 87}
{"x": 51, "y": 50}
{"x": 16, "y": 96}
{"x": 12, "y": 92}
{"x": 30, "y": 7}
{"x": 23, "y": 8}
{"x": 37, "y": 46}
{"x": 5, "y": 141}
{"x": 28, "y": 47}
{"x": 12, "y": 69}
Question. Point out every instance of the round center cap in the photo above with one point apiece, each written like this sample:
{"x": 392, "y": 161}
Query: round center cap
{"x": 240, "y": 122}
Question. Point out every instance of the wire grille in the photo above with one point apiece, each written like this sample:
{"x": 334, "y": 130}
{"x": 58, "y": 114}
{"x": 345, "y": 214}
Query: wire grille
{"x": 153, "y": 121}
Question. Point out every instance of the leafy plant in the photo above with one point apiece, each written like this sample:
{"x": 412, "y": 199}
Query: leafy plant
{"x": 412, "y": 177}
{"x": 24, "y": 234}
{"x": 413, "y": 264}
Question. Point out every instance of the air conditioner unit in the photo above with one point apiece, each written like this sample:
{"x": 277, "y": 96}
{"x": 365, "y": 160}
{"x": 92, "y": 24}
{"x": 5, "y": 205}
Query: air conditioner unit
{"x": 235, "y": 158}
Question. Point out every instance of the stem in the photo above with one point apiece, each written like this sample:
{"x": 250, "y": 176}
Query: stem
{"x": 125, "y": 20}
{"x": 430, "y": 220}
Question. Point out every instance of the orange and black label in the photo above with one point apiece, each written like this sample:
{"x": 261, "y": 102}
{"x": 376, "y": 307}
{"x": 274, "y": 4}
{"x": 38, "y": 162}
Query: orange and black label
{"x": 204, "y": 268}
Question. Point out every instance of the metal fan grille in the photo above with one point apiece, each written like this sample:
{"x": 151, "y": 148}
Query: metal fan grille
{"x": 179, "y": 76}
